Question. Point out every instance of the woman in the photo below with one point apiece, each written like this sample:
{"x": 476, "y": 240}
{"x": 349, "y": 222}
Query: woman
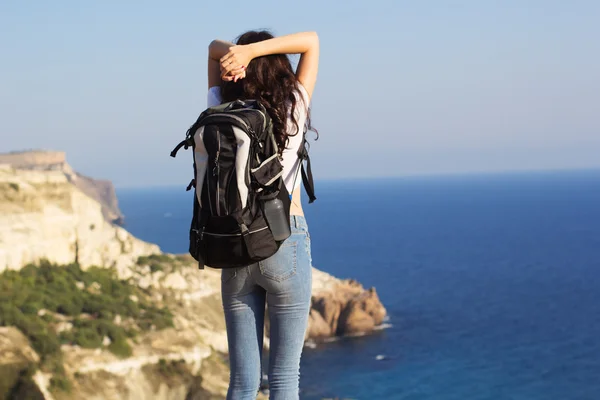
{"x": 257, "y": 67}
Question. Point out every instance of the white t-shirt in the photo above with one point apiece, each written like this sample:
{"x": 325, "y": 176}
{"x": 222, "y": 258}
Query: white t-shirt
{"x": 290, "y": 160}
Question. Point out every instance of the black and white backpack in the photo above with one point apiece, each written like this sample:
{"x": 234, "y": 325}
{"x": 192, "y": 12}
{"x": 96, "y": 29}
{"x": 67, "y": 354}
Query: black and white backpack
{"x": 236, "y": 171}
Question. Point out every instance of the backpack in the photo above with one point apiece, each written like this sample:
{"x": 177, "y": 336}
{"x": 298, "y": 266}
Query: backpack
{"x": 237, "y": 172}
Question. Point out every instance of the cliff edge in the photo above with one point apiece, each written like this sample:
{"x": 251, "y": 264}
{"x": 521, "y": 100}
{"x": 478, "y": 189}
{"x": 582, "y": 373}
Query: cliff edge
{"x": 102, "y": 191}
{"x": 44, "y": 214}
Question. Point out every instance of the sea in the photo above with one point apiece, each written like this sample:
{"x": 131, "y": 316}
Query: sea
{"x": 491, "y": 282}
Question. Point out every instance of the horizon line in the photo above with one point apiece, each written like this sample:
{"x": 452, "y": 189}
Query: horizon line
{"x": 424, "y": 175}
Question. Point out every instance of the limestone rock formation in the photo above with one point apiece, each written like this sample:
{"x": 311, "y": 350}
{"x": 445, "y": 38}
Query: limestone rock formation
{"x": 344, "y": 307}
{"x": 44, "y": 215}
{"x": 102, "y": 191}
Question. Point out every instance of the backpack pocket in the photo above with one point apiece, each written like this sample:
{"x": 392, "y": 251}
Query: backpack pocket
{"x": 226, "y": 247}
{"x": 268, "y": 171}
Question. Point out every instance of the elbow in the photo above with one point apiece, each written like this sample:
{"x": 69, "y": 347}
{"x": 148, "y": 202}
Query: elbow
{"x": 213, "y": 50}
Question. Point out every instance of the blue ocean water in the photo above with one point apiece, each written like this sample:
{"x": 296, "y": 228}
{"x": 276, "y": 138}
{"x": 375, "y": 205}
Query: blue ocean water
{"x": 492, "y": 283}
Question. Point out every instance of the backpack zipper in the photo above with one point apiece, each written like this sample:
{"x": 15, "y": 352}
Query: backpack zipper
{"x": 249, "y": 129}
{"x": 228, "y": 187}
{"x": 208, "y": 191}
{"x": 216, "y": 172}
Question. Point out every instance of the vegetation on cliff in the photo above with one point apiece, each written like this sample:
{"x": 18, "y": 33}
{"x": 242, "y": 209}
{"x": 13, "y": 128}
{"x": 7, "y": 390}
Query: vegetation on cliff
{"x": 54, "y": 305}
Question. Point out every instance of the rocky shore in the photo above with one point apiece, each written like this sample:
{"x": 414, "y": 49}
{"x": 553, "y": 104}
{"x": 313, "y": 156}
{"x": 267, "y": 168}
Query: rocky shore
{"x": 45, "y": 215}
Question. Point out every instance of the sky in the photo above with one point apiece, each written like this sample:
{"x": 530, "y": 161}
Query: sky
{"x": 404, "y": 87}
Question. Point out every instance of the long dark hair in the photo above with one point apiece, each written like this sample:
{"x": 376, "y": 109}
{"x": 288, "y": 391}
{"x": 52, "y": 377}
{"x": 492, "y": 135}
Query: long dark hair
{"x": 270, "y": 80}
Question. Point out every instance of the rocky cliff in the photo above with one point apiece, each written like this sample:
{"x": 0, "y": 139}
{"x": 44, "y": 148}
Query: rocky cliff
{"x": 44, "y": 215}
{"x": 102, "y": 191}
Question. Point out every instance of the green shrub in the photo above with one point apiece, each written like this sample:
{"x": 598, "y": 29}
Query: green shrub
{"x": 154, "y": 267}
{"x": 87, "y": 338}
{"x": 159, "y": 318}
{"x": 60, "y": 383}
{"x": 54, "y": 364}
{"x": 120, "y": 348}
{"x": 171, "y": 368}
{"x": 66, "y": 337}
{"x": 54, "y": 288}
{"x": 43, "y": 341}
{"x": 29, "y": 309}
{"x": 157, "y": 258}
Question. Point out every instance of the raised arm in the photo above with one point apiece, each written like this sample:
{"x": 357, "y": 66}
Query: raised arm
{"x": 216, "y": 50}
{"x": 304, "y": 43}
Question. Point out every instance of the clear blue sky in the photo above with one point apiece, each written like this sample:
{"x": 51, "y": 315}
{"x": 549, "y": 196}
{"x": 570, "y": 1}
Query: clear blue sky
{"x": 405, "y": 87}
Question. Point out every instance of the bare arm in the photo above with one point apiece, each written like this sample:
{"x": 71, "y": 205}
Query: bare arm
{"x": 304, "y": 43}
{"x": 216, "y": 50}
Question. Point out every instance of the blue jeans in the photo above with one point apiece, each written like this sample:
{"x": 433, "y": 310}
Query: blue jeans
{"x": 283, "y": 282}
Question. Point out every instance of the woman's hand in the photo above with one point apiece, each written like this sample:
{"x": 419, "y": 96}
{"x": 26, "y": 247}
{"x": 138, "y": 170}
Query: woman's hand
{"x": 235, "y": 75}
{"x": 235, "y": 61}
